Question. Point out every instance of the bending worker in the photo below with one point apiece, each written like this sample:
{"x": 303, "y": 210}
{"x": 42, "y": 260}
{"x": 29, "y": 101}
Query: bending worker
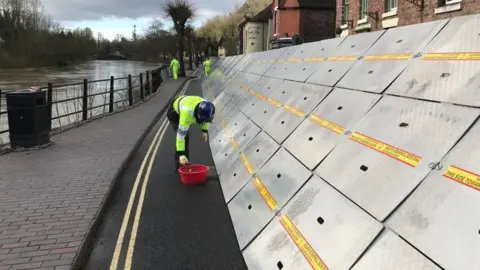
{"x": 182, "y": 113}
{"x": 175, "y": 67}
{"x": 207, "y": 65}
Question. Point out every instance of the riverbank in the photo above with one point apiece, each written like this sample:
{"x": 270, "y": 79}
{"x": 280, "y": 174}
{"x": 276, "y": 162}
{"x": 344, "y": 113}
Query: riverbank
{"x": 8, "y": 61}
{"x": 22, "y": 78}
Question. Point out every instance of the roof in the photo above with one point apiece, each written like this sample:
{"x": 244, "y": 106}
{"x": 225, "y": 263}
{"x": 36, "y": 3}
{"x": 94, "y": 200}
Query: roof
{"x": 262, "y": 16}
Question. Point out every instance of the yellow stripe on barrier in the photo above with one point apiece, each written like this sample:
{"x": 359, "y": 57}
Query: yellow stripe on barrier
{"x": 229, "y": 133}
{"x": 234, "y": 144}
{"x": 398, "y": 56}
{"x": 246, "y": 89}
{"x": 274, "y": 102}
{"x": 452, "y": 56}
{"x": 294, "y": 110}
{"x": 295, "y": 60}
{"x": 267, "y": 197}
{"x": 342, "y": 58}
{"x": 314, "y": 59}
{"x": 462, "y": 176}
{"x": 260, "y": 96}
{"x": 224, "y": 124}
{"x": 389, "y": 150}
{"x": 327, "y": 124}
{"x": 246, "y": 163}
{"x": 308, "y": 252}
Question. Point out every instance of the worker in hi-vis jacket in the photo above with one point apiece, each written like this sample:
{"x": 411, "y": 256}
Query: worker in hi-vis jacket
{"x": 175, "y": 67}
{"x": 207, "y": 65}
{"x": 182, "y": 113}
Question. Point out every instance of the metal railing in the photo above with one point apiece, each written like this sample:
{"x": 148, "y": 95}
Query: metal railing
{"x": 74, "y": 103}
{"x": 3, "y": 116}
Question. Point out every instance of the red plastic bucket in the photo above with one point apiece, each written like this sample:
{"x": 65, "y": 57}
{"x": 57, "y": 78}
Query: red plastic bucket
{"x": 193, "y": 174}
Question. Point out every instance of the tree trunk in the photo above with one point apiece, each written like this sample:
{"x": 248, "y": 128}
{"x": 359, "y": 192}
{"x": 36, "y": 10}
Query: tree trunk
{"x": 181, "y": 49}
{"x": 207, "y": 46}
{"x": 190, "y": 60}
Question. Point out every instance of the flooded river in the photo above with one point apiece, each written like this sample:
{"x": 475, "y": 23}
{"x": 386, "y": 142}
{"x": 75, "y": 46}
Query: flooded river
{"x": 16, "y": 79}
{"x": 19, "y": 79}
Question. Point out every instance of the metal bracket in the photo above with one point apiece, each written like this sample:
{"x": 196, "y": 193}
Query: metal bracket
{"x": 419, "y": 3}
{"x": 373, "y": 15}
{"x": 435, "y": 166}
{"x": 417, "y": 55}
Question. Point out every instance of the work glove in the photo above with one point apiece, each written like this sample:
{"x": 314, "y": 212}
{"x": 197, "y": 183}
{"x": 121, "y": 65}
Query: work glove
{"x": 183, "y": 160}
{"x": 205, "y": 137}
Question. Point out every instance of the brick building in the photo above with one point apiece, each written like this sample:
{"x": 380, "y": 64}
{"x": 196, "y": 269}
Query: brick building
{"x": 356, "y": 16}
{"x": 311, "y": 20}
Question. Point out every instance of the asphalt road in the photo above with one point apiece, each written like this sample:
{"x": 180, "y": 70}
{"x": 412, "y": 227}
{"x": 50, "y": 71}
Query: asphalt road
{"x": 180, "y": 227}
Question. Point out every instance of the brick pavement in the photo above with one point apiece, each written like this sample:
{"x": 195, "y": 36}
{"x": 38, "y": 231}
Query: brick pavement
{"x": 50, "y": 198}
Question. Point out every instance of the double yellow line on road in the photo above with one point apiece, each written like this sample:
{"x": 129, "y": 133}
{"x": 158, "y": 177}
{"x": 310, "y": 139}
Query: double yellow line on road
{"x": 150, "y": 158}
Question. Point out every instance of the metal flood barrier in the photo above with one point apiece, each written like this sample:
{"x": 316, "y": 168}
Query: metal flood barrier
{"x": 359, "y": 152}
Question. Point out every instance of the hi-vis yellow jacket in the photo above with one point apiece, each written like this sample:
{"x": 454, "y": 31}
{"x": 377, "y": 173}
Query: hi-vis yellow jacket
{"x": 185, "y": 107}
{"x": 207, "y": 64}
{"x": 175, "y": 65}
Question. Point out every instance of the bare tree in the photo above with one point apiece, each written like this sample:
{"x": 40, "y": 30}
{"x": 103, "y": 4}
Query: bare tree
{"x": 180, "y": 11}
{"x": 29, "y": 36}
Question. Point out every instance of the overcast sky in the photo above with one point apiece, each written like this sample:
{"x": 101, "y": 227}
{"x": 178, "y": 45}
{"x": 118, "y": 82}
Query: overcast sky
{"x": 111, "y": 17}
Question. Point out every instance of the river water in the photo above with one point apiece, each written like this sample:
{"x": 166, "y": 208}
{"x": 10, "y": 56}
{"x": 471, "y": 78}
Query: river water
{"x": 19, "y": 79}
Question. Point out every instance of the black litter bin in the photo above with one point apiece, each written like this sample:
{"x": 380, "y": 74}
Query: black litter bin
{"x": 28, "y": 118}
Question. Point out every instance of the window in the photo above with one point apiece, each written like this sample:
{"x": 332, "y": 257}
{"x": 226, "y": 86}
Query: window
{"x": 345, "y": 11}
{"x": 442, "y": 3}
{"x": 390, "y": 5}
{"x": 446, "y": 6}
{"x": 363, "y": 9}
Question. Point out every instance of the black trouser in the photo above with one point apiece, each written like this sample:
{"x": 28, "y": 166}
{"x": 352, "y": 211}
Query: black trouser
{"x": 174, "y": 120}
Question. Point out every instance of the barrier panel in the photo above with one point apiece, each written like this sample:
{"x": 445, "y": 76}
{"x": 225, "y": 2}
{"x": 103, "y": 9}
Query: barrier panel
{"x": 449, "y": 69}
{"x": 258, "y": 103}
{"x": 339, "y": 112}
{"x": 258, "y": 151}
{"x": 278, "y": 180}
{"x": 358, "y": 152}
{"x": 397, "y": 135}
{"x": 298, "y": 100}
{"x": 398, "y": 46}
{"x": 389, "y": 248}
{"x": 340, "y": 60}
{"x": 337, "y": 231}
{"x": 304, "y": 60}
{"x": 445, "y": 208}
{"x": 262, "y": 61}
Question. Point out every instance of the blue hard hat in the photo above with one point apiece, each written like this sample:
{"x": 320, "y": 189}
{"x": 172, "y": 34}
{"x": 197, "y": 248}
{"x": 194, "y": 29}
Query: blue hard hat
{"x": 206, "y": 111}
